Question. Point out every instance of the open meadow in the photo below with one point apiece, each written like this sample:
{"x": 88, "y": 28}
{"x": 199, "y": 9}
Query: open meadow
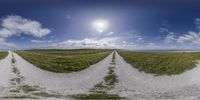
{"x": 161, "y": 63}
{"x": 63, "y": 60}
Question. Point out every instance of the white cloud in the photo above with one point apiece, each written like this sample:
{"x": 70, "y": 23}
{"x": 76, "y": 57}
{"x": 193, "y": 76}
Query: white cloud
{"x": 132, "y": 36}
{"x": 164, "y": 27}
{"x": 186, "y": 37}
{"x": 5, "y": 33}
{"x": 132, "y": 43}
{"x": 41, "y": 41}
{"x": 16, "y": 25}
{"x": 170, "y": 37}
{"x": 151, "y": 44}
{"x": 197, "y": 22}
{"x": 1, "y": 40}
{"x": 6, "y": 44}
{"x": 105, "y": 43}
{"x": 139, "y": 39}
{"x": 37, "y": 41}
{"x": 110, "y": 33}
{"x": 124, "y": 42}
{"x": 163, "y": 30}
{"x": 193, "y": 37}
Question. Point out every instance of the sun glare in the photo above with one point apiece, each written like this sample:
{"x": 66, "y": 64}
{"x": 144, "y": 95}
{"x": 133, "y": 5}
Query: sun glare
{"x": 100, "y": 25}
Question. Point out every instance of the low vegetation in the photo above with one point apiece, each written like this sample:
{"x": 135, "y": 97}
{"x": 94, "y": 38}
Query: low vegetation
{"x": 111, "y": 78}
{"x": 3, "y": 55}
{"x": 161, "y": 63}
{"x": 27, "y": 88}
{"x": 19, "y": 97}
{"x": 13, "y": 60}
{"x": 113, "y": 59}
{"x": 98, "y": 96}
{"x": 62, "y": 63}
{"x": 73, "y": 52}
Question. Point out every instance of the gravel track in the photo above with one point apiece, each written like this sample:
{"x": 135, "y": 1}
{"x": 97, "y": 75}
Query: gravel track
{"x": 5, "y": 73}
{"x": 71, "y": 83}
{"x": 131, "y": 83}
{"x": 142, "y": 86}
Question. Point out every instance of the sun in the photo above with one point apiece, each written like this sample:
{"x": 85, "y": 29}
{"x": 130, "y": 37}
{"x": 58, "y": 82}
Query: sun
{"x": 100, "y": 25}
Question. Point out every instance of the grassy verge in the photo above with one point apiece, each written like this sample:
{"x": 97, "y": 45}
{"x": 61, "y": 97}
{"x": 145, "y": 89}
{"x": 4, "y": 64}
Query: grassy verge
{"x": 3, "y": 55}
{"x": 72, "y": 52}
{"x": 161, "y": 63}
{"x": 111, "y": 78}
{"x": 13, "y": 60}
{"x": 62, "y": 64}
{"x": 97, "y": 96}
{"x": 19, "y": 97}
{"x": 113, "y": 59}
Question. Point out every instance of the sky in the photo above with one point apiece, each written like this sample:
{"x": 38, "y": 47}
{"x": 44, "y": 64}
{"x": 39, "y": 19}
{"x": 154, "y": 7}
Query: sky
{"x": 105, "y": 24}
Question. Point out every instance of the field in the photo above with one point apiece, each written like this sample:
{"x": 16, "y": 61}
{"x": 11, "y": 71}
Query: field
{"x": 63, "y": 61}
{"x": 3, "y": 54}
{"x": 74, "y": 52}
{"x": 161, "y": 63}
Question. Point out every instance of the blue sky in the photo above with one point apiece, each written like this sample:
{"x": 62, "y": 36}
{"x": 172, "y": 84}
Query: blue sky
{"x": 127, "y": 24}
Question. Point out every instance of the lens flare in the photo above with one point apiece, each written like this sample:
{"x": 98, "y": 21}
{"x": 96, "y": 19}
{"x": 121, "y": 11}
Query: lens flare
{"x": 100, "y": 25}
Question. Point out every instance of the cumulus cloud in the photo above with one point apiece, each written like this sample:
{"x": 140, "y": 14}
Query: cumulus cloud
{"x": 191, "y": 36}
{"x": 132, "y": 35}
{"x": 105, "y": 43}
{"x": 6, "y": 44}
{"x": 16, "y": 25}
{"x": 170, "y": 37}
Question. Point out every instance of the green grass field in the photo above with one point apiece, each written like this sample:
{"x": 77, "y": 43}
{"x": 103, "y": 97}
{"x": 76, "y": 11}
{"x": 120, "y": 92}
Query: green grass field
{"x": 73, "y": 52}
{"x": 3, "y": 54}
{"x": 63, "y": 64}
{"x": 161, "y": 63}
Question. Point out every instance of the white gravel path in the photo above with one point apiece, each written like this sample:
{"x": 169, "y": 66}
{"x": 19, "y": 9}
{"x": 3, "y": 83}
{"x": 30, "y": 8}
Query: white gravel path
{"x": 132, "y": 83}
{"x": 142, "y": 86}
{"x": 71, "y": 83}
{"x": 5, "y": 72}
